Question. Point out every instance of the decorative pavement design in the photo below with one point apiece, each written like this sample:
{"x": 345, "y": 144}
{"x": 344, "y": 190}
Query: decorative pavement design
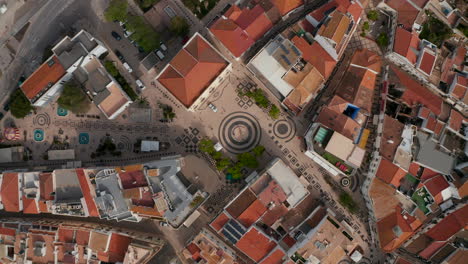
{"x": 42, "y": 119}
{"x": 284, "y": 129}
{"x": 239, "y": 132}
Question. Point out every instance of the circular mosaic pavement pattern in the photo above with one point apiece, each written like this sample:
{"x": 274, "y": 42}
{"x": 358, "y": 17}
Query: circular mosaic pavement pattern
{"x": 41, "y": 119}
{"x": 239, "y": 132}
{"x": 284, "y": 129}
{"x": 345, "y": 181}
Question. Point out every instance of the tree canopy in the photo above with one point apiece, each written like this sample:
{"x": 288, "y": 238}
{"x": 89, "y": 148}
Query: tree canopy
{"x": 435, "y": 31}
{"x": 73, "y": 98}
{"x": 117, "y": 10}
{"x": 247, "y": 160}
{"x": 382, "y": 40}
{"x": 179, "y": 26}
{"x": 20, "y": 105}
{"x": 143, "y": 33}
{"x": 373, "y": 15}
{"x": 274, "y": 112}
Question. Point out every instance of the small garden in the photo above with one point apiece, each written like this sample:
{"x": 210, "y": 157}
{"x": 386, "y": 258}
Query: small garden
{"x": 168, "y": 112}
{"x": 200, "y": 7}
{"x": 112, "y": 70}
{"x": 20, "y": 106}
{"x": 232, "y": 169}
{"x": 347, "y": 201}
{"x": 338, "y": 163}
{"x": 422, "y": 199}
{"x": 107, "y": 146}
{"x": 262, "y": 101}
{"x": 435, "y": 31}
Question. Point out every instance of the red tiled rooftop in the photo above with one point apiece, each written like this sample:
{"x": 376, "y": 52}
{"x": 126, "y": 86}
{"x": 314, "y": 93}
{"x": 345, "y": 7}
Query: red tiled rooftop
{"x": 219, "y": 222}
{"x": 288, "y": 240}
{"x": 85, "y": 189}
{"x": 450, "y": 225}
{"x": 436, "y": 185}
{"x": 413, "y": 169}
{"x": 415, "y": 93}
{"x": 406, "y": 44}
{"x": 255, "y": 244}
{"x": 389, "y": 241}
{"x": 276, "y": 257}
{"x": 272, "y": 193}
{"x": 10, "y": 192}
{"x": 407, "y": 13}
{"x": 427, "y": 62}
{"x": 458, "y": 91}
{"x": 252, "y": 213}
{"x": 133, "y": 179}
{"x": 273, "y": 214}
{"x": 46, "y": 186}
{"x": 456, "y": 120}
{"x": 315, "y": 55}
{"x": 286, "y": 6}
{"x": 367, "y": 59}
{"x": 7, "y": 231}
{"x": 42, "y": 77}
{"x": 390, "y": 173}
{"x": 66, "y": 235}
{"x": 30, "y": 206}
{"x": 118, "y": 246}
{"x": 82, "y": 237}
{"x": 188, "y": 83}
{"x": 432, "y": 249}
{"x": 43, "y": 207}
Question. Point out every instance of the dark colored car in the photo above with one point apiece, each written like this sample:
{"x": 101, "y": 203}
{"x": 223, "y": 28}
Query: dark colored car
{"x": 6, "y": 107}
{"x": 116, "y": 35}
{"x": 119, "y": 55}
{"x": 21, "y": 80}
{"x": 1, "y": 116}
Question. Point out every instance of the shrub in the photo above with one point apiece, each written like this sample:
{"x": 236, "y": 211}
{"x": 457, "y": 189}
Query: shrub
{"x": 247, "y": 160}
{"x": 435, "y": 31}
{"x": 179, "y": 26}
{"x": 258, "y": 150}
{"x": 259, "y": 97}
{"x": 143, "y": 33}
{"x": 206, "y": 145}
{"x": 347, "y": 201}
{"x": 274, "y": 112}
{"x": 73, "y": 98}
{"x": 20, "y": 105}
{"x": 365, "y": 26}
{"x": 373, "y": 15}
{"x": 223, "y": 164}
{"x": 382, "y": 40}
{"x": 117, "y": 10}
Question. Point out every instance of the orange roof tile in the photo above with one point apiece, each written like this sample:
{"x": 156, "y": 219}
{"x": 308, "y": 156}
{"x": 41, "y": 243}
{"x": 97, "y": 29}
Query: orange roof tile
{"x": 315, "y": 55}
{"x": 192, "y": 71}
{"x": 132, "y": 179}
{"x": 455, "y": 121}
{"x": 273, "y": 214}
{"x": 30, "y": 206}
{"x": 393, "y": 230}
{"x": 458, "y": 91}
{"x": 118, "y": 245}
{"x": 42, "y": 77}
{"x": 450, "y": 225}
{"x": 66, "y": 235}
{"x": 46, "y": 186}
{"x": 43, "y": 207}
{"x": 10, "y": 192}
{"x": 252, "y": 213}
{"x": 85, "y": 189}
{"x": 390, "y": 173}
{"x": 7, "y": 231}
{"x": 407, "y": 13}
{"x": 436, "y": 185}
{"x": 406, "y": 44}
{"x": 276, "y": 257}
{"x": 272, "y": 193}
{"x": 427, "y": 62}
{"x": 219, "y": 222}
{"x": 82, "y": 237}
{"x": 286, "y": 6}
{"x": 432, "y": 249}
{"x": 367, "y": 59}
{"x": 255, "y": 244}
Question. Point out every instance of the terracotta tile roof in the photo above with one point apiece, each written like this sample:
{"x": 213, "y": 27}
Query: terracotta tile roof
{"x": 255, "y": 244}
{"x": 252, "y": 213}
{"x": 391, "y": 137}
{"x": 315, "y": 55}
{"x": 420, "y": 3}
{"x": 357, "y": 87}
{"x": 432, "y": 249}
{"x": 10, "y": 192}
{"x": 66, "y": 235}
{"x": 415, "y": 93}
{"x": 48, "y": 239}
{"x": 427, "y": 62}
{"x": 406, "y": 44}
{"x": 384, "y": 198}
{"x": 240, "y": 204}
{"x": 436, "y": 185}
{"x": 132, "y": 179}
{"x": 286, "y": 6}
{"x": 456, "y": 119}
{"x": 414, "y": 168}
{"x": 407, "y": 13}
{"x": 117, "y": 249}
{"x": 288, "y": 240}
{"x": 242, "y": 27}
{"x": 393, "y": 230}
{"x": 339, "y": 122}
{"x": 450, "y": 225}
{"x": 46, "y": 186}
{"x": 390, "y": 173}
{"x": 453, "y": 62}
{"x": 459, "y": 91}
{"x": 276, "y": 257}
{"x": 335, "y": 28}
{"x": 367, "y": 59}
{"x": 272, "y": 193}
{"x": 82, "y": 237}
{"x": 428, "y": 174}
{"x": 42, "y": 77}
{"x": 344, "y": 6}
{"x": 273, "y": 214}
{"x": 30, "y": 206}
{"x": 321, "y": 12}
{"x": 43, "y": 208}
{"x": 219, "y": 222}
{"x": 188, "y": 83}
{"x": 85, "y": 189}
{"x": 7, "y": 231}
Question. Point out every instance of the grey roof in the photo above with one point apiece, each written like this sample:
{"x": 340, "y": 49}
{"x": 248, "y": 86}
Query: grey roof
{"x": 98, "y": 80}
{"x": 67, "y": 186}
{"x": 429, "y": 155}
{"x": 110, "y": 200}
{"x": 150, "y": 61}
{"x": 69, "y": 56}
{"x": 86, "y": 40}
{"x": 101, "y": 96}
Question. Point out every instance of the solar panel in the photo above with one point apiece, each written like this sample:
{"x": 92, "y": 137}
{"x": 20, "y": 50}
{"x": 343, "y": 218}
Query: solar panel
{"x": 228, "y": 236}
{"x": 238, "y": 227}
{"x": 232, "y": 231}
{"x": 286, "y": 59}
{"x": 284, "y": 49}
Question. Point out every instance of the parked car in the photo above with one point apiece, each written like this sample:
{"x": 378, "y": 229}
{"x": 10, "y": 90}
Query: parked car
{"x": 116, "y": 35}
{"x": 1, "y": 116}
{"x": 161, "y": 223}
{"x": 119, "y": 55}
{"x": 162, "y": 46}
{"x": 160, "y": 54}
{"x": 140, "y": 84}
{"x": 213, "y": 107}
{"x": 21, "y": 80}
{"x": 127, "y": 67}
{"x": 127, "y": 33}
{"x": 141, "y": 50}
{"x": 6, "y": 106}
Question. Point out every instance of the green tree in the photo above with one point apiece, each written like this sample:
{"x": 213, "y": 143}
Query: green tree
{"x": 143, "y": 33}
{"x": 274, "y": 112}
{"x": 258, "y": 150}
{"x": 247, "y": 160}
{"x": 365, "y": 26}
{"x": 435, "y": 31}
{"x": 347, "y": 201}
{"x": 111, "y": 69}
{"x": 206, "y": 145}
{"x": 146, "y": 4}
{"x": 179, "y": 26}
{"x": 259, "y": 98}
{"x": 223, "y": 164}
{"x": 382, "y": 40}
{"x": 73, "y": 98}
{"x": 20, "y": 105}
{"x": 216, "y": 155}
{"x": 235, "y": 171}
{"x": 117, "y": 10}
{"x": 373, "y": 15}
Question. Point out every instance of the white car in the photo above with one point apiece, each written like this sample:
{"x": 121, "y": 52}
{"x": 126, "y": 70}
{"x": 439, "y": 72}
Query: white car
{"x": 213, "y": 107}
{"x": 160, "y": 54}
{"x": 127, "y": 33}
{"x": 162, "y": 46}
{"x": 127, "y": 67}
{"x": 140, "y": 84}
